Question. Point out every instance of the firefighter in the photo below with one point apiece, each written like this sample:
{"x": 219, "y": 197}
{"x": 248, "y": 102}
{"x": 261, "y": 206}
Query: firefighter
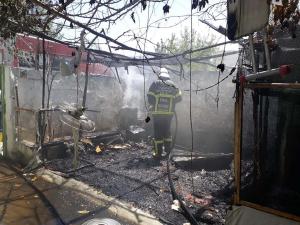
{"x": 162, "y": 97}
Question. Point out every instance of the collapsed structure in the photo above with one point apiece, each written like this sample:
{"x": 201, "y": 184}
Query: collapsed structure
{"x": 25, "y": 84}
{"x": 66, "y": 100}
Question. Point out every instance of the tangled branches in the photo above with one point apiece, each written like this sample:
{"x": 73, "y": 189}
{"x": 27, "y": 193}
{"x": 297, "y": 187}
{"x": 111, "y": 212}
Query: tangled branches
{"x": 21, "y": 16}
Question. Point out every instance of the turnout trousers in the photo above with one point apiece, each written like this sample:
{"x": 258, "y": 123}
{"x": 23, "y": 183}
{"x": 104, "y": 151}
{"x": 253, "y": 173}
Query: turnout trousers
{"x": 162, "y": 134}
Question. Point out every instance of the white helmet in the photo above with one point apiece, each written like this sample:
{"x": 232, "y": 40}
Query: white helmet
{"x": 164, "y": 74}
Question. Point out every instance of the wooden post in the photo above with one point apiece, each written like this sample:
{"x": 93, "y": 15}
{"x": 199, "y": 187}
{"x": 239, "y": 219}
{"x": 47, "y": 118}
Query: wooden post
{"x": 237, "y": 143}
{"x": 255, "y": 100}
{"x": 86, "y": 79}
{"x": 264, "y": 136}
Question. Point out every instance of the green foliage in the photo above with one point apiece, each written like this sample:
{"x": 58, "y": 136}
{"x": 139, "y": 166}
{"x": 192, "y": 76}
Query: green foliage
{"x": 175, "y": 45}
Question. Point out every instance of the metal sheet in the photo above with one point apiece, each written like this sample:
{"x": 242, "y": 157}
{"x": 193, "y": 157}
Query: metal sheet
{"x": 246, "y": 17}
{"x": 241, "y": 215}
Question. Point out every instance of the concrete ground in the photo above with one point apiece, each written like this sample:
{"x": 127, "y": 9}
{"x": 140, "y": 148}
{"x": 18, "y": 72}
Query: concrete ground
{"x": 20, "y": 203}
{"x": 44, "y": 198}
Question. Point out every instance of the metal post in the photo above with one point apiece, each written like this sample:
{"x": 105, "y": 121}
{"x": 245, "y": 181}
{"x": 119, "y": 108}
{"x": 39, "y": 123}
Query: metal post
{"x": 44, "y": 74}
{"x": 267, "y": 53}
{"x": 86, "y": 79}
{"x": 42, "y": 128}
{"x": 252, "y": 53}
{"x": 117, "y": 73}
{"x": 17, "y": 114}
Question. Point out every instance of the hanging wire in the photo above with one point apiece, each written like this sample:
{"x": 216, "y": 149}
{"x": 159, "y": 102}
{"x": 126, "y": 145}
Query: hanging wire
{"x": 191, "y": 114}
{"x": 144, "y": 78}
{"x": 219, "y": 75}
{"x": 218, "y": 91}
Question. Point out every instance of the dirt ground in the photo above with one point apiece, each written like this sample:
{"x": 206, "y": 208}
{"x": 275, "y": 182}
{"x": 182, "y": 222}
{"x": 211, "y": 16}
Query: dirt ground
{"x": 128, "y": 172}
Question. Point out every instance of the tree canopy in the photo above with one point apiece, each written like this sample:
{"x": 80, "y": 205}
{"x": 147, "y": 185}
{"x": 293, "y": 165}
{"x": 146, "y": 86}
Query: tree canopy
{"x": 178, "y": 44}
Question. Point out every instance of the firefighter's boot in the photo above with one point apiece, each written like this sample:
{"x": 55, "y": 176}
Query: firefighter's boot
{"x": 157, "y": 148}
{"x": 168, "y": 145}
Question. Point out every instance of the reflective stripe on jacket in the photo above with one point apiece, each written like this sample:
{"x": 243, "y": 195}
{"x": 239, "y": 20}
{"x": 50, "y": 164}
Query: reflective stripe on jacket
{"x": 162, "y": 96}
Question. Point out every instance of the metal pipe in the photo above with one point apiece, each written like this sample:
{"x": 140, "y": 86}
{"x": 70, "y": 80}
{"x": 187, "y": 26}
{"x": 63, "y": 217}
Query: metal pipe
{"x": 252, "y": 53}
{"x": 107, "y": 42}
{"x": 272, "y": 85}
{"x": 42, "y": 124}
{"x": 220, "y": 29}
{"x": 17, "y": 114}
{"x": 268, "y": 73}
{"x": 86, "y": 79}
{"x": 44, "y": 74}
{"x": 267, "y": 53}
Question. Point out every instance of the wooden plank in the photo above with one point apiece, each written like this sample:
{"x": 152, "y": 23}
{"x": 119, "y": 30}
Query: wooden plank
{"x": 270, "y": 210}
{"x": 237, "y": 145}
{"x": 272, "y": 85}
{"x": 19, "y": 109}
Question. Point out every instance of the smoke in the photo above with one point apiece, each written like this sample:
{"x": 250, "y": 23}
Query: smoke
{"x": 213, "y": 126}
{"x": 135, "y": 89}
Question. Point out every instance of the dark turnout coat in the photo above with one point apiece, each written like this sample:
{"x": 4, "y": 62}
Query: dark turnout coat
{"x": 162, "y": 96}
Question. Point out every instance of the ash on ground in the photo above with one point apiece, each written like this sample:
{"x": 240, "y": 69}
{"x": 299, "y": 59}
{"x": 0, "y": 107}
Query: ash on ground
{"x": 129, "y": 173}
